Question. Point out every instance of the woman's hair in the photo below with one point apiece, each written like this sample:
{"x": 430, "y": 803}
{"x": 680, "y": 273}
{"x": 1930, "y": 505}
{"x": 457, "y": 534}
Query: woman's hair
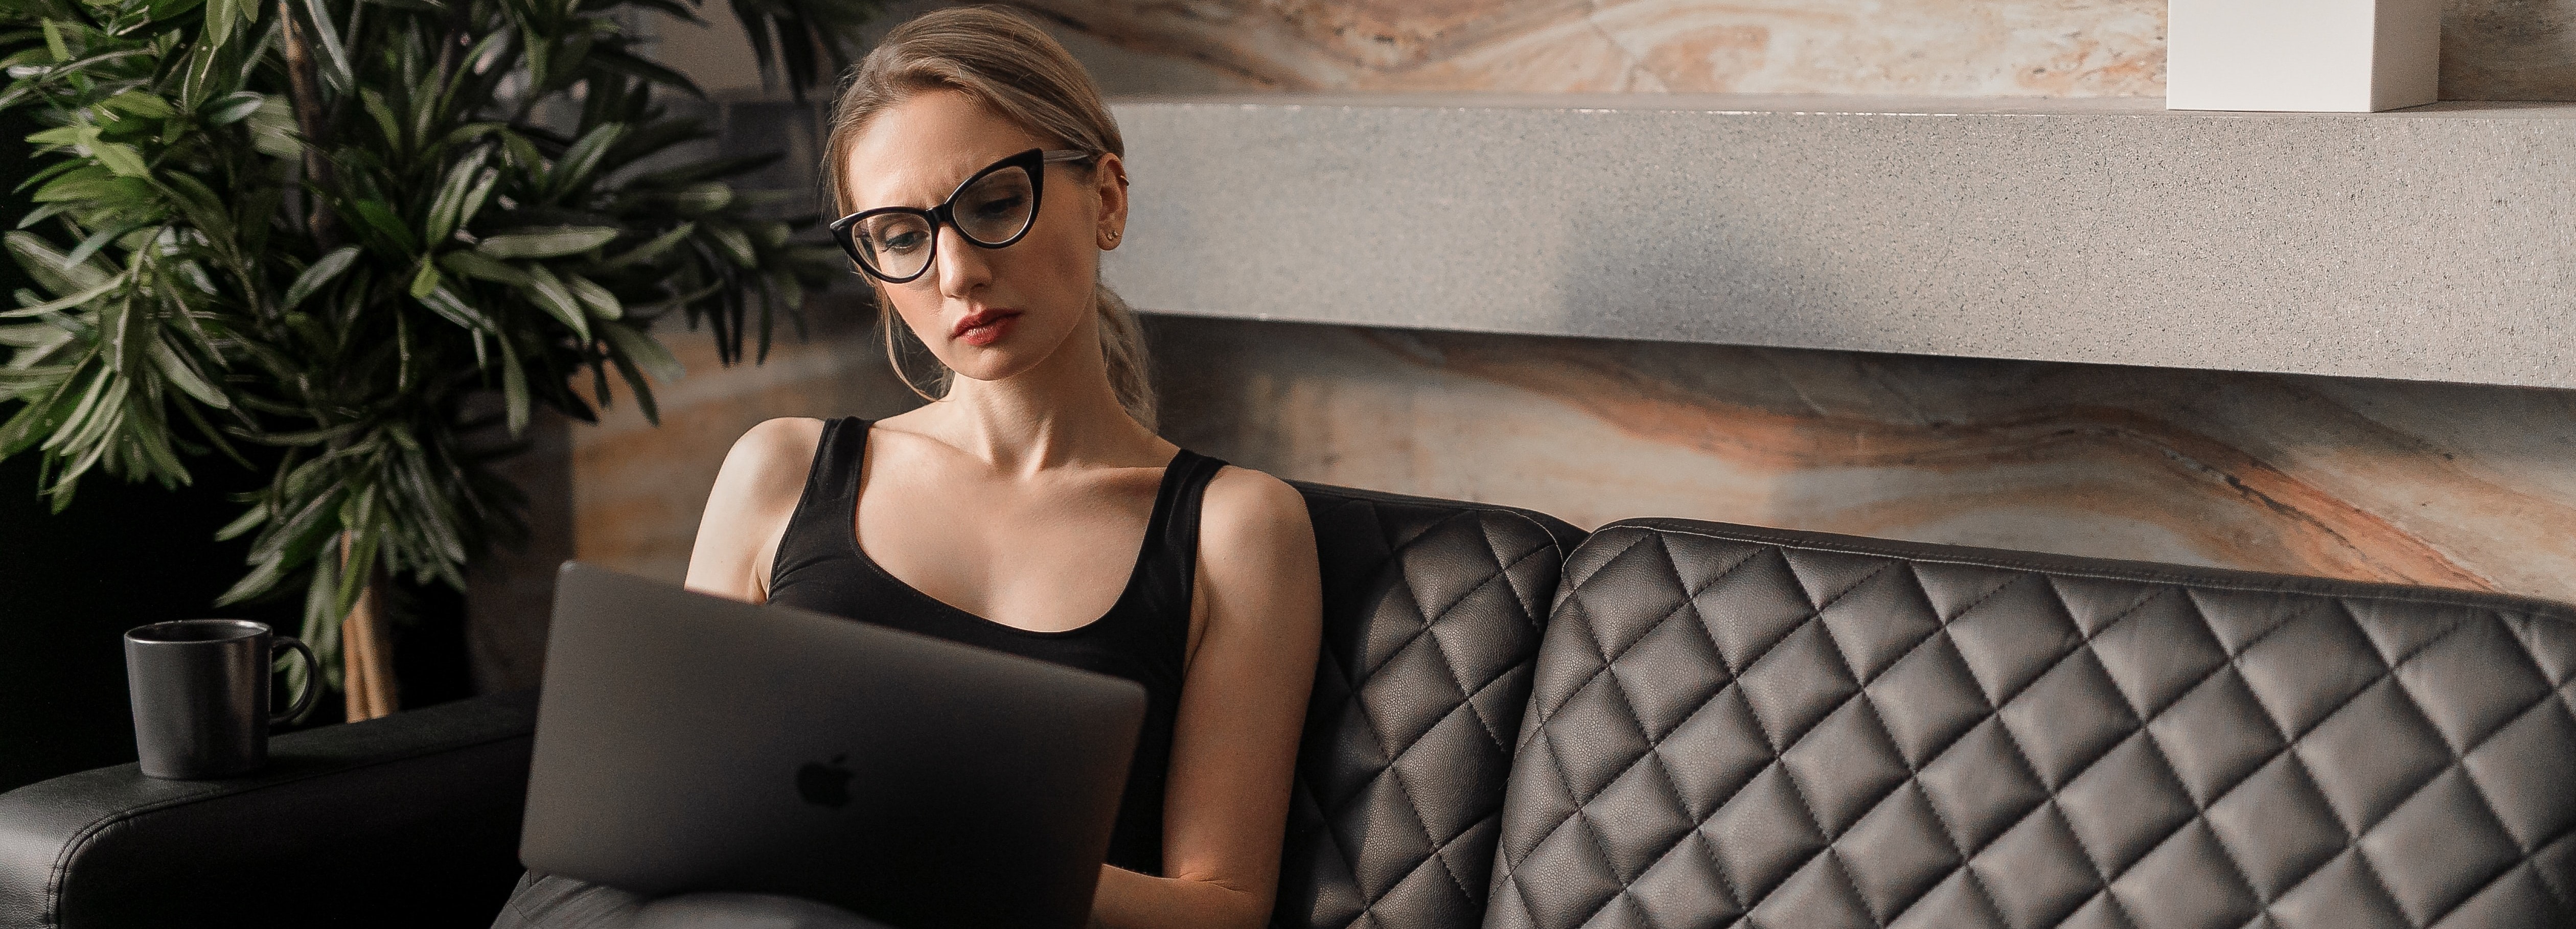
{"x": 1019, "y": 72}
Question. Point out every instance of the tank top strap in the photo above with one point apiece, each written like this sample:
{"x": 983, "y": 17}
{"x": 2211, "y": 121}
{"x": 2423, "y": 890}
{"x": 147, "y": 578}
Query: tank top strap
{"x": 820, "y": 524}
{"x": 1168, "y": 570}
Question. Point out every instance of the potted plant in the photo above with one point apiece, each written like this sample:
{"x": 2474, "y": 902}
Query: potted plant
{"x": 356, "y": 232}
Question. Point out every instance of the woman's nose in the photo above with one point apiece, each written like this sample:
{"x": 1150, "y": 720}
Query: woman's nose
{"x": 963, "y": 266}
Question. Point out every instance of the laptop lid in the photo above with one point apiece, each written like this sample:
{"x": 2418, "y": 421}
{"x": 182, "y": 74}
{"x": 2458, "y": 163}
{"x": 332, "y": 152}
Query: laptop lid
{"x": 689, "y": 742}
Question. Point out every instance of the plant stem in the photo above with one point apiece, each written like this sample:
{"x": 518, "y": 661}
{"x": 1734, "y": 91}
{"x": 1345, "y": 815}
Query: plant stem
{"x": 304, "y": 87}
{"x": 367, "y": 672}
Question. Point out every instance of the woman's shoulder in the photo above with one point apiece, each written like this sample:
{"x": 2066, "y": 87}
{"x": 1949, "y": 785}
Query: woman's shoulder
{"x": 770, "y": 457}
{"x": 1246, "y": 506}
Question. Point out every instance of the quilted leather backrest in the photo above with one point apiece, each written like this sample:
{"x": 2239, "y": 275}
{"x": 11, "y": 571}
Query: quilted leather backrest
{"x": 1736, "y": 726}
{"x": 1432, "y": 611}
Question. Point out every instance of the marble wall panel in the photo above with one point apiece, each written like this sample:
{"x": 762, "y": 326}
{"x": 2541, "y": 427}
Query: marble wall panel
{"x": 2453, "y": 486}
{"x": 2492, "y": 49}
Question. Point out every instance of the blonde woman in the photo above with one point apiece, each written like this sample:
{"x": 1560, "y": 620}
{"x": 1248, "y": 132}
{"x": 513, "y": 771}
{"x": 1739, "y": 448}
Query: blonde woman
{"x": 1030, "y": 507}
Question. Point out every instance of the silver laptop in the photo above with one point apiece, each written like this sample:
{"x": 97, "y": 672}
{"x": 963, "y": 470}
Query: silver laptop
{"x": 688, "y": 742}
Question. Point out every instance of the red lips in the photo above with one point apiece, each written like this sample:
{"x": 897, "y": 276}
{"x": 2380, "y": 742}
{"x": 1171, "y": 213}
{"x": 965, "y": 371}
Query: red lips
{"x": 984, "y": 327}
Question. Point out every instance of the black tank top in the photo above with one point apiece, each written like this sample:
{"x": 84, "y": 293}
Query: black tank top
{"x": 820, "y": 567}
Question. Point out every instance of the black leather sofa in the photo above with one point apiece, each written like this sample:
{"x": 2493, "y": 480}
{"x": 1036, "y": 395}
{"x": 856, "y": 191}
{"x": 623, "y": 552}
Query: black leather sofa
{"x": 1667, "y": 724}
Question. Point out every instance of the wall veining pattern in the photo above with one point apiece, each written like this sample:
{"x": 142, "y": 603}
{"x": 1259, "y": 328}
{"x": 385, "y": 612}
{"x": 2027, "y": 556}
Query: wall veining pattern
{"x": 2492, "y": 49}
{"x": 2447, "y": 485}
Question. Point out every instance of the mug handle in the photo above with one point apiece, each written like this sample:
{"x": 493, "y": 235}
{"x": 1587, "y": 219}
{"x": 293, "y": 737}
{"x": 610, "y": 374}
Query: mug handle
{"x": 312, "y": 677}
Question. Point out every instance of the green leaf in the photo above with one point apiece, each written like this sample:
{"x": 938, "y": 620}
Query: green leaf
{"x": 184, "y": 376}
{"x": 578, "y": 161}
{"x": 197, "y": 82}
{"x": 249, "y": 519}
{"x": 634, "y": 382}
{"x": 446, "y": 304}
{"x": 314, "y": 278}
{"x": 522, "y": 152}
{"x": 140, "y": 103}
{"x": 736, "y": 245}
{"x": 98, "y": 240}
{"x": 426, "y": 279}
{"x": 232, "y": 108}
{"x": 402, "y": 353}
{"x": 597, "y": 299}
{"x": 120, "y": 158}
{"x": 701, "y": 198}
{"x": 514, "y": 388}
{"x": 54, "y": 42}
{"x": 381, "y": 218}
{"x": 57, "y": 169}
{"x": 638, "y": 67}
{"x": 65, "y": 303}
{"x": 32, "y": 335}
{"x": 50, "y": 269}
{"x": 385, "y": 121}
{"x": 262, "y": 577}
{"x": 63, "y": 135}
{"x": 101, "y": 189}
{"x": 272, "y": 129}
{"x": 162, "y": 11}
{"x": 646, "y": 352}
{"x": 220, "y": 15}
{"x": 329, "y": 34}
{"x": 473, "y": 203}
{"x": 203, "y": 208}
{"x": 653, "y": 249}
{"x": 479, "y": 267}
{"x": 549, "y": 293}
{"x": 549, "y": 243}
{"x": 358, "y": 516}
{"x": 443, "y": 209}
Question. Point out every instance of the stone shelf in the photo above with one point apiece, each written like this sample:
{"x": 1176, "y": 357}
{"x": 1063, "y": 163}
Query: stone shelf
{"x": 2437, "y": 243}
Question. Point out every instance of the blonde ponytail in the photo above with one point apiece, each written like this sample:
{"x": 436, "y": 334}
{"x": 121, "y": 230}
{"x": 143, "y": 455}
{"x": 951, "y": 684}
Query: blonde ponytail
{"x": 1122, "y": 346}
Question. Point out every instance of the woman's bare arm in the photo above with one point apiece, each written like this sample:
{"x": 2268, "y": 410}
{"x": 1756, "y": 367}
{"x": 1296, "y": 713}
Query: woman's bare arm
{"x": 754, "y": 495}
{"x": 1243, "y": 706}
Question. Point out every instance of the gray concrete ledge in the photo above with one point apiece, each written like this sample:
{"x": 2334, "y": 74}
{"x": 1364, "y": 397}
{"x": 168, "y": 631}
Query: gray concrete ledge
{"x": 2427, "y": 244}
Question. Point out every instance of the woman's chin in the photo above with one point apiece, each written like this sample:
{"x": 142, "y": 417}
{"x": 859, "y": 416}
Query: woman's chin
{"x": 997, "y": 362}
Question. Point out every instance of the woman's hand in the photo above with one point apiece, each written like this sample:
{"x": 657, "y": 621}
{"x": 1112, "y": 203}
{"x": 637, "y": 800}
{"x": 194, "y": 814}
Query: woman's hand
{"x": 1251, "y": 663}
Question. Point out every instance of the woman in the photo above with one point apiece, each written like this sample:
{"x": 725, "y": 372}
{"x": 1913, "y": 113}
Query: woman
{"x": 1030, "y": 508}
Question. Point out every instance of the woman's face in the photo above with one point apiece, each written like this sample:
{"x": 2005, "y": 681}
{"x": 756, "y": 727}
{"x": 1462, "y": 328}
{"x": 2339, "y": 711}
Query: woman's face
{"x": 987, "y": 313}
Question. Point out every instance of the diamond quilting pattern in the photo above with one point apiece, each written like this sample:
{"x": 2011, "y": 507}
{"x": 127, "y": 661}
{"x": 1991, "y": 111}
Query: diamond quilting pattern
{"x": 1877, "y": 734}
{"x": 1432, "y": 611}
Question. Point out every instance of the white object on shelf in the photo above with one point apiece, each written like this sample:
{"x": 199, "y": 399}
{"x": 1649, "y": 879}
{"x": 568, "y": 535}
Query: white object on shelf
{"x": 2329, "y": 56}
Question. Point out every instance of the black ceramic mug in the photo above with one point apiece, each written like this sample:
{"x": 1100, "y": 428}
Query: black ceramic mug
{"x": 200, "y": 690}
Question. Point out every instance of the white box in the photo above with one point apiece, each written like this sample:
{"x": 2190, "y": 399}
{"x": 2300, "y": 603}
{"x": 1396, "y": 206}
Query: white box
{"x": 2327, "y": 56}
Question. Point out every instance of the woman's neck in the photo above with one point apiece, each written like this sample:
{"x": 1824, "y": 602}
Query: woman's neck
{"x": 1063, "y": 411}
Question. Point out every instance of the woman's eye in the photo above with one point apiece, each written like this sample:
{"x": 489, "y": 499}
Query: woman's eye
{"x": 904, "y": 241}
{"x": 1002, "y": 206}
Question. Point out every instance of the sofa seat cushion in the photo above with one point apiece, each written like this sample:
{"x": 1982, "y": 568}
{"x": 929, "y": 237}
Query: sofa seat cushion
{"x": 1737, "y": 726}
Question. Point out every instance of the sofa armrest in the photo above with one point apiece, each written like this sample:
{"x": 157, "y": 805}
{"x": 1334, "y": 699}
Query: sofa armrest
{"x": 408, "y": 820}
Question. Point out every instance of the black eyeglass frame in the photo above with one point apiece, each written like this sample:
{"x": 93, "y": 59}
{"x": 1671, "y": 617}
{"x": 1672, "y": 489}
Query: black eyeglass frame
{"x": 1034, "y": 161}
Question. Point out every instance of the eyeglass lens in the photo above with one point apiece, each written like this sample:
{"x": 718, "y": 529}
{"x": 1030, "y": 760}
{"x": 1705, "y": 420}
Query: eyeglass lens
{"x": 993, "y": 210}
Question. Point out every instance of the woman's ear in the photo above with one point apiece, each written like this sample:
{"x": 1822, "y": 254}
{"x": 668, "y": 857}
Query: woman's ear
{"x": 1109, "y": 178}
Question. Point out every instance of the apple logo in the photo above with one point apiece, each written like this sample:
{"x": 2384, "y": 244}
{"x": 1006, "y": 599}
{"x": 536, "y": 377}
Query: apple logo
{"x": 824, "y": 784}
